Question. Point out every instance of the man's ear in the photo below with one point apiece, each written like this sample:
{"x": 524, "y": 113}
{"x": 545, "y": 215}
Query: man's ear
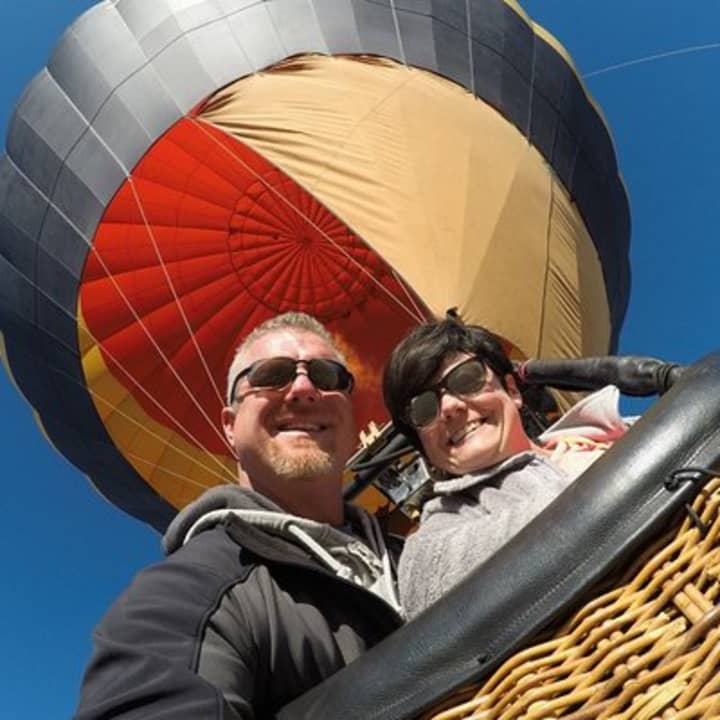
{"x": 512, "y": 390}
{"x": 227, "y": 417}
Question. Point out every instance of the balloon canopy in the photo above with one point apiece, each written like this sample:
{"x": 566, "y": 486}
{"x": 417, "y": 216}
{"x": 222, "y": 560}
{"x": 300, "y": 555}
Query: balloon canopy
{"x": 182, "y": 171}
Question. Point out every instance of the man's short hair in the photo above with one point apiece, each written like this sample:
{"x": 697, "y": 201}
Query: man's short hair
{"x": 417, "y": 358}
{"x": 298, "y": 321}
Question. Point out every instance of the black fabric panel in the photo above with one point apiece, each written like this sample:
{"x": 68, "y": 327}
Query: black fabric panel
{"x": 602, "y": 520}
{"x": 451, "y": 47}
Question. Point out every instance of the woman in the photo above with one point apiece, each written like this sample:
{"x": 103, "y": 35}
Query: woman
{"x": 452, "y": 390}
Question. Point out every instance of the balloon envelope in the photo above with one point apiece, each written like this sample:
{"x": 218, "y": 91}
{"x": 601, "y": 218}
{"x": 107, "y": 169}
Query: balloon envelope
{"x": 371, "y": 165}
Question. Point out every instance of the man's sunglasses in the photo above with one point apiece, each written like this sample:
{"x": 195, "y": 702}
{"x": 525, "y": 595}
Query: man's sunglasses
{"x": 275, "y": 373}
{"x": 467, "y": 378}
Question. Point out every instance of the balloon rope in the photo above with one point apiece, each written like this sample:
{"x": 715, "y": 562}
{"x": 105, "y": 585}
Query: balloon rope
{"x": 173, "y": 473}
{"x": 200, "y": 124}
{"x": 222, "y": 476}
{"x": 652, "y": 58}
{"x": 168, "y": 279}
{"x": 92, "y": 249}
{"x": 422, "y": 313}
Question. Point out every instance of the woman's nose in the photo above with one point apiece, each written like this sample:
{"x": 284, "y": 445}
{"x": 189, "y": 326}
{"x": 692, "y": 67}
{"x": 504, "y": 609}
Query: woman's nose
{"x": 451, "y": 404}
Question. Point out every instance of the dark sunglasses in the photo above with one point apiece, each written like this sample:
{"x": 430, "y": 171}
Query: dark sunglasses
{"x": 275, "y": 373}
{"x": 467, "y": 378}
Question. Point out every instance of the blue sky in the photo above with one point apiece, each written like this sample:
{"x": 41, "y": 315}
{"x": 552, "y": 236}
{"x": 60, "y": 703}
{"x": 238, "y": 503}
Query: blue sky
{"x": 67, "y": 553}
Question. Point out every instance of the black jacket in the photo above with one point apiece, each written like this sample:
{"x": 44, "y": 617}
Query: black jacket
{"x": 234, "y": 624}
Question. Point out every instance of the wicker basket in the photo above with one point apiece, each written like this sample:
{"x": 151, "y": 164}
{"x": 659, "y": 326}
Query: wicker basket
{"x": 646, "y": 649}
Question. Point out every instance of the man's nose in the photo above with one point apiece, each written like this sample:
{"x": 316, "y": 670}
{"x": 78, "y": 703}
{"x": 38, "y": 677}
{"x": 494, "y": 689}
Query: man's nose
{"x": 301, "y": 387}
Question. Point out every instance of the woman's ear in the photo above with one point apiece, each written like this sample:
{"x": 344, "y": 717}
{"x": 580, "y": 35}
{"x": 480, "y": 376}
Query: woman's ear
{"x": 512, "y": 390}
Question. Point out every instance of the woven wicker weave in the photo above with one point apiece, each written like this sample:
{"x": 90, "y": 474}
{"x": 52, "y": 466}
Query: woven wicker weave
{"x": 646, "y": 649}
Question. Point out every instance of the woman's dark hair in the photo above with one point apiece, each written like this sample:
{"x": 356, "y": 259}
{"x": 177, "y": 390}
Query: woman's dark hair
{"x": 419, "y": 356}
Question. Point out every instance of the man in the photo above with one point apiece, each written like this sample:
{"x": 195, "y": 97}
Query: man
{"x": 267, "y": 588}
{"x": 452, "y": 390}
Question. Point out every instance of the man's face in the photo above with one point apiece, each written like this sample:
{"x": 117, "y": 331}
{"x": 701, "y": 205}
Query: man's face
{"x": 474, "y": 432}
{"x": 294, "y": 433}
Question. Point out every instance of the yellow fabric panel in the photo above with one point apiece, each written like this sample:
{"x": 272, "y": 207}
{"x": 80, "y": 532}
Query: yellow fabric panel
{"x": 438, "y": 183}
{"x": 174, "y": 468}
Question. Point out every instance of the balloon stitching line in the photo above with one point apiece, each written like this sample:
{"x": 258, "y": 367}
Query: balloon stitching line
{"x": 396, "y": 23}
{"x": 652, "y": 58}
{"x": 468, "y": 16}
{"x": 200, "y": 124}
{"x": 33, "y": 284}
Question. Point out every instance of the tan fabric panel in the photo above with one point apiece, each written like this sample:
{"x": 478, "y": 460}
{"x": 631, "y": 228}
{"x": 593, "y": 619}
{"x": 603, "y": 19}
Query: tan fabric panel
{"x": 439, "y": 184}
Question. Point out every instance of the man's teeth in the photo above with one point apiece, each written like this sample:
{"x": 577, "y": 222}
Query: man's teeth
{"x": 459, "y": 436}
{"x": 304, "y": 427}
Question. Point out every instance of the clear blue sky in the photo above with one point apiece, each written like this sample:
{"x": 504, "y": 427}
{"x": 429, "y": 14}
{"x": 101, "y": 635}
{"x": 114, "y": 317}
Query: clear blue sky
{"x": 67, "y": 553}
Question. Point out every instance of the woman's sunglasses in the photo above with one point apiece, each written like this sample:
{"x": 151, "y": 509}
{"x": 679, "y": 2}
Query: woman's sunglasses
{"x": 467, "y": 378}
{"x": 275, "y": 373}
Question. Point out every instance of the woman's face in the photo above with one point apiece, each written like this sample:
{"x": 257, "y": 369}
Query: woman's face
{"x": 477, "y": 431}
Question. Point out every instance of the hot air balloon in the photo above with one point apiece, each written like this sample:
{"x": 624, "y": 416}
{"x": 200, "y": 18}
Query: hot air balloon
{"x": 372, "y": 164}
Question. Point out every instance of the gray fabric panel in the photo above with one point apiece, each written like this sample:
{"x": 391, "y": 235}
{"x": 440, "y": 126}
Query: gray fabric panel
{"x": 451, "y": 13}
{"x": 297, "y": 27}
{"x": 21, "y": 215}
{"x": 421, "y": 7}
{"x": 230, "y": 7}
{"x": 416, "y": 31}
{"x": 376, "y": 28}
{"x": 255, "y": 32}
{"x": 42, "y": 132}
{"x": 154, "y": 117}
{"x": 179, "y": 71}
{"x": 337, "y": 20}
{"x": 221, "y": 55}
{"x": 141, "y": 16}
{"x": 157, "y": 37}
{"x": 83, "y": 65}
{"x": 63, "y": 242}
{"x": 121, "y": 130}
{"x": 17, "y": 302}
{"x": 55, "y": 306}
{"x": 86, "y": 183}
{"x": 197, "y": 14}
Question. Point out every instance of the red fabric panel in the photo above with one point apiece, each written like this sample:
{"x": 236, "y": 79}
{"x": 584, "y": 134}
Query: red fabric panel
{"x": 207, "y": 225}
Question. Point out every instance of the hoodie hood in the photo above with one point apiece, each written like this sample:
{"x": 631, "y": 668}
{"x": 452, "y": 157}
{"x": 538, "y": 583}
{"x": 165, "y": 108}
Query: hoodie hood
{"x": 360, "y": 557}
{"x": 221, "y": 497}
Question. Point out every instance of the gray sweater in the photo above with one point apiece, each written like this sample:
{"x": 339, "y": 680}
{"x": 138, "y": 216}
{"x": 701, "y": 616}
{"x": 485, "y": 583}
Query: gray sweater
{"x": 473, "y": 515}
